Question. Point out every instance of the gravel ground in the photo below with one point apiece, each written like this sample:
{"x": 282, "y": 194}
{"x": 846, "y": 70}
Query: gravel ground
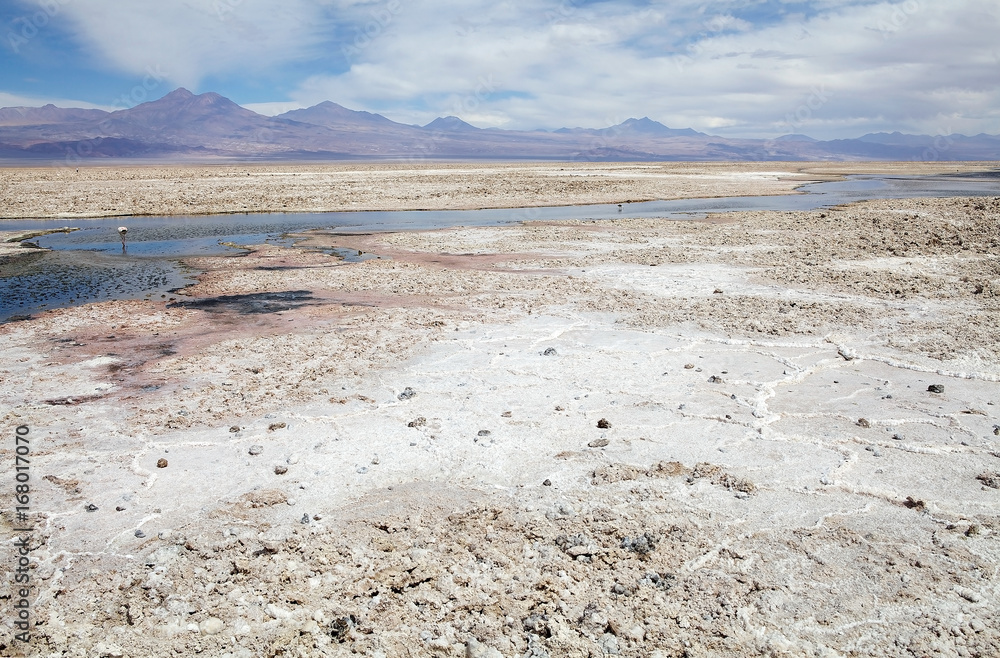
{"x": 762, "y": 434}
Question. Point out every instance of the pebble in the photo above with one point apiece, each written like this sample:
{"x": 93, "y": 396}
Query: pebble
{"x": 689, "y": 366}
{"x": 91, "y": 507}
{"x": 407, "y": 394}
{"x": 140, "y": 534}
{"x": 864, "y": 422}
{"x": 935, "y": 388}
{"x": 256, "y": 449}
{"x": 550, "y": 351}
{"x": 484, "y": 433}
{"x": 968, "y": 594}
{"x": 603, "y": 424}
{"x": 234, "y": 429}
{"x": 598, "y": 443}
{"x": 161, "y": 463}
{"x": 547, "y": 483}
{"x": 475, "y": 649}
{"x": 280, "y": 469}
{"x": 211, "y": 626}
{"x": 277, "y": 613}
{"x": 305, "y": 519}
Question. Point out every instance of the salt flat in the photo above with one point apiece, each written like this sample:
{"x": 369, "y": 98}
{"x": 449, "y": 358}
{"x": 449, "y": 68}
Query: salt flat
{"x": 633, "y": 437}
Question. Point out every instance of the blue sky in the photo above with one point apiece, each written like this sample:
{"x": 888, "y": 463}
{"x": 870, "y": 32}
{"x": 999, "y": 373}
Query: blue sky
{"x": 739, "y": 68}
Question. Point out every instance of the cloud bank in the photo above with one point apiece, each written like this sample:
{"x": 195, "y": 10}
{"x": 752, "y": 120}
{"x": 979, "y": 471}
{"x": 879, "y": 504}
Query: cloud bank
{"x": 754, "y": 68}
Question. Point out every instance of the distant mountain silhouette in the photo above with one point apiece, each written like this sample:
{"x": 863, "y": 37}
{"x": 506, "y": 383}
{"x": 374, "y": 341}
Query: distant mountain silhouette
{"x": 330, "y": 115}
{"x": 450, "y": 124}
{"x": 47, "y": 114}
{"x": 183, "y": 124}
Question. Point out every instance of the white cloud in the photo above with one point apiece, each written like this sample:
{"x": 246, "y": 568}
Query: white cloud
{"x": 192, "y": 39}
{"x": 879, "y": 66}
{"x": 830, "y": 68}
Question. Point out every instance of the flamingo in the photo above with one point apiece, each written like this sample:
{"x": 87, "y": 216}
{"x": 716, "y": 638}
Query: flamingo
{"x": 122, "y": 230}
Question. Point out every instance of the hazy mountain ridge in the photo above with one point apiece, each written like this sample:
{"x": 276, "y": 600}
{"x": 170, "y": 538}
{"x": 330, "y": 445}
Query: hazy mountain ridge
{"x": 199, "y": 125}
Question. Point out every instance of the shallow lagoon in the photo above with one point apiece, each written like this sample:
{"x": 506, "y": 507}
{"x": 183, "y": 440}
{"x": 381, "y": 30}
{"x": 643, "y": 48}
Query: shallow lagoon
{"x": 88, "y": 265}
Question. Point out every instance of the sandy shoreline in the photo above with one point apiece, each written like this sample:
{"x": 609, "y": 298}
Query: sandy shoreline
{"x": 636, "y": 438}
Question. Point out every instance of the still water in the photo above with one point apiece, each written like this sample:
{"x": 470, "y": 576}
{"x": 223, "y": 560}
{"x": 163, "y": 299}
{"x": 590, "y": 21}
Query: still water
{"x": 88, "y": 265}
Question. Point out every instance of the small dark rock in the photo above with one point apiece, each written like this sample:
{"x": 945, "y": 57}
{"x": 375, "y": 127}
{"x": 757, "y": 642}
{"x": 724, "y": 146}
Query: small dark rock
{"x": 91, "y": 507}
{"x": 910, "y": 503}
{"x": 276, "y": 426}
{"x": 991, "y": 480}
{"x": 407, "y": 394}
{"x": 716, "y": 380}
{"x": 341, "y": 627}
{"x": 642, "y": 544}
{"x": 659, "y": 581}
{"x": 550, "y": 351}
{"x": 689, "y": 366}
{"x": 140, "y": 534}
{"x": 547, "y": 483}
{"x": 234, "y": 429}
{"x": 864, "y": 422}
{"x": 603, "y": 424}
{"x": 560, "y": 408}
{"x": 484, "y": 433}
{"x": 506, "y": 414}
{"x": 305, "y": 519}
{"x": 717, "y": 291}
{"x": 161, "y": 463}
{"x": 936, "y": 388}
{"x": 119, "y": 509}
{"x": 280, "y": 469}
{"x": 598, "y": 443}
{"x": 256, "y": 449}
{"x": 537, "y": 624}
{"x": 418, "y": 422}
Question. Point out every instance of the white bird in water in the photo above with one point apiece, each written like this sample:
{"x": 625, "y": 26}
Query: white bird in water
{"x": 122, "y": 230}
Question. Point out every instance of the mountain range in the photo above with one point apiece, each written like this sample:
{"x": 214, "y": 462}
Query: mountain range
{"x": 182, "y": 125}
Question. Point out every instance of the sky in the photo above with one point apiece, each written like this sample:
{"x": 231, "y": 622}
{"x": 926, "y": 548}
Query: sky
{"x": 736, "y": 68}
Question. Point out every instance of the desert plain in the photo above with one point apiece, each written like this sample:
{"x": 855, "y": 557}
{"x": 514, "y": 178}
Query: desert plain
{"x": 758, "y": 433}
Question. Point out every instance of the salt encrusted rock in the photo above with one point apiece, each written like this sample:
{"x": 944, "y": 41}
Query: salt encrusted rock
{"x": 276, "y": 612}
{"x": 407, "y": 394}
{"x": 256, "y": 449}
{"x": 211, "y": 626}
